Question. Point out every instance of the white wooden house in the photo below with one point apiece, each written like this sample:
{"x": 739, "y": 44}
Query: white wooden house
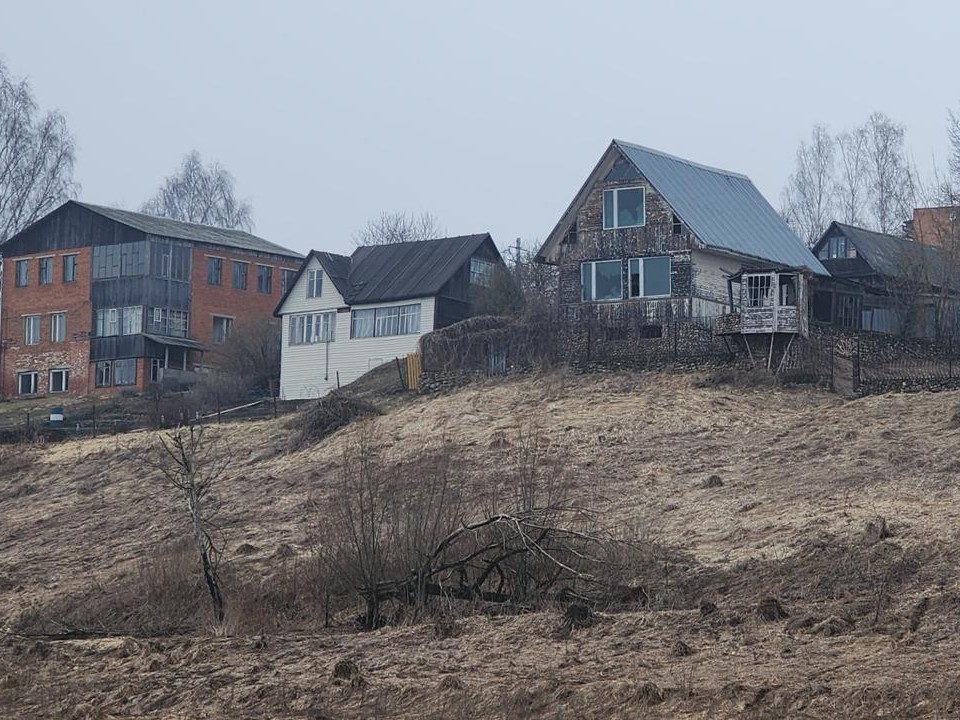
{"x": 343, "y": 316}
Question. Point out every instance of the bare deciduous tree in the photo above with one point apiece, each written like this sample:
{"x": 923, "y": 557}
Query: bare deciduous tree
{"x": 396, "y": 227}
{"x": 36, "y": 157}
{"x": 891, "y": 181}
{"x": 809, "y": 196}
{"x": 851, "y": 176}
{"x": 202, "y": 194}
{"x": 192, "y": 466}
{"x": 252, "y": 353}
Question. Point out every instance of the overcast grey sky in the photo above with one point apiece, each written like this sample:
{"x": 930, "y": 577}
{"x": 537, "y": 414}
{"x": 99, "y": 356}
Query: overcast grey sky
{"x": 489, "y": 114}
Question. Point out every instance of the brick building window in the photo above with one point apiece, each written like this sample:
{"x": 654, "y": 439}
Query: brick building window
{"x": 264, "y": 279}
{"x": 214, "y": 271}
{"x": 104, "y": 373}
{"x": 240, "y": 275}
{"x": 286, "y": 280}
{"x": 125, "y": 372}
{"x": 27, "y": 383}
{"x": 314, "y": 283}
{"x": 69, "y": 268}
{"x": 46, "y": 270}
{"x": 58, "y": 327}
{"x": 23, "y": 273}
{"x": 31, "y": 330}
{"x": 623, "y": 208}
{"x": 221, "y": 329}
{"x": 59, "y": 381}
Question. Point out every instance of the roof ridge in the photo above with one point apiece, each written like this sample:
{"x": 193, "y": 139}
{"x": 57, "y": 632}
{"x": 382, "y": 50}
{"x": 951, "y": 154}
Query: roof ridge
{"x": 676, "y": 158}
{"x": 95, "y": 207}
{"x": 415, "y": 242}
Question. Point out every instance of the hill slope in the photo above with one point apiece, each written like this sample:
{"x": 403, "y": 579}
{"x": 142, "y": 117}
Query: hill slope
{"x": 802, "y": 479}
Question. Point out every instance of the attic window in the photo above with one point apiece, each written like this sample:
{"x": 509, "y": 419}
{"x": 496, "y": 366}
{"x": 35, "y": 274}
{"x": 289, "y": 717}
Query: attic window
{"x": 481, "y": 272}
{"x": 314, "y": 283}
{"x": 836, "y": 247}
{"x": 623, "y": 208}
{"x": 677, "y": 226}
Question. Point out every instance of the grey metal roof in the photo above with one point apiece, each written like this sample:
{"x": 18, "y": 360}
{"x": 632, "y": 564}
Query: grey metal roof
{"x": 384, "y": 273}
{"x": 724, "y": 209}
{"x": 176, "y": 229}
{"x": 896, "y": 257}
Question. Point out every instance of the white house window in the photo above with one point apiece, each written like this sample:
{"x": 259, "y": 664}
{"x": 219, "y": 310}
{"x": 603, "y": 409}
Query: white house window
{"x": 315, "y": 328}
{"x": 384, "y": 322}
{"x": 221, "y": 329}
{"x": 481, "y": 272}
{"x": 602, "y": 280}
{"x": 314, "y": 283}
{"x": 58, "y": 327}
{"x": 31, "y": 330}
{"x": 650, "y": 277}
{"x": 624, "y": 207}
{"x": 27, "y": 383}
{"x": 59, "y": 381}
{"x": 132, "y": 320}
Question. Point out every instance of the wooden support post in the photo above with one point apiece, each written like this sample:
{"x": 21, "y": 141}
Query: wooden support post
{"x": 773, "y": 337}
{"x": 746, "y": 341}
{"x": 785, "y": 353}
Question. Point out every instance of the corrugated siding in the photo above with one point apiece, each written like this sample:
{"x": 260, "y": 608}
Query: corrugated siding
{"x": 310, "y": 371}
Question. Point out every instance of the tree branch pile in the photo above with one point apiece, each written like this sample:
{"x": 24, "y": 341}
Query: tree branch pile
{"x": 324, "y": 417}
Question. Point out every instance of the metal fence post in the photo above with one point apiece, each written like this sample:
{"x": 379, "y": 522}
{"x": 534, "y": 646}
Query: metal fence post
{"x": 856, "y": 367}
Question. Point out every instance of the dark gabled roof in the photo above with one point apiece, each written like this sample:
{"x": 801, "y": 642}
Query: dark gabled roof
{"x": 178, "y": 230}
{"x": 384, "y": 273}
{"x": 894, "y": 256}
{"x": 723, "y": 209}
{"x": 409, "y": 269}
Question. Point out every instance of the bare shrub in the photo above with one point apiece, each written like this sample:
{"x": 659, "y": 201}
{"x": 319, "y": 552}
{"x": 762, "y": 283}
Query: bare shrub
{"x": 324, "y": 417}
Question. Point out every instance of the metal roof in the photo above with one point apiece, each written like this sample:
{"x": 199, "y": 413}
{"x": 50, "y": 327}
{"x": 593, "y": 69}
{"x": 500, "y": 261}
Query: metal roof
{"x": 398, "y": 271}
{"x": 178, "y": 230}
{"x": 724, "y": 209}
{"x": 896, "y": 257}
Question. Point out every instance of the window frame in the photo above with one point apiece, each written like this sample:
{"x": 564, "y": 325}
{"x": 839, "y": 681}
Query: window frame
{"x": 65, "y": 373}
{"x": 268, "y": 284}
{"x": 35, "y": 384}
{"x": 314, "y": 283}
{"x": 214, "y": 270}
{"x": 240, "y": 272}
{"x": 103, "y": 368}
{"x": 32, "y": 321}
{"x": 106, "y": 319}
{"x": 127, "y": 362}
{"x": 382, "y": 317}
{"x": 616, "y": 207}
{"x": 593, "y": 280}
{"x": 54, "y": 323}
{"x": 312, "y": 328}
{"x": 45, "y": 270}
{"x": 21, "y": 279}
{"x": 759, "y": 291}
{"x": 227, "y": 323}
{"x": 70, "y": 261}
{"x": 642, "y": 262}
{"x": 481, "y": 272}
{"x": 287, "y": 279}
{"x": 135, "y": 311}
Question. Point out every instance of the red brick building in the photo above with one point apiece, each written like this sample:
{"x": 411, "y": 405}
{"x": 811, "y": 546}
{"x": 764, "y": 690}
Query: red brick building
{"x": 95, "y": 299}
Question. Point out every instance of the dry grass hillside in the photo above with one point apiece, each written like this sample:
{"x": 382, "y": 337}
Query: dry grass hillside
{"x": 842, "y": 514}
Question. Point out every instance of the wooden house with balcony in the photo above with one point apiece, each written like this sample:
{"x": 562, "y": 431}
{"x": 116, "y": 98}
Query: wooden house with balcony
{"x": 652, "y": 241}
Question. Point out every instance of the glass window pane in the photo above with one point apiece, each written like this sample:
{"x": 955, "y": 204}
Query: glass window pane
{"x": 609, "y": 280}
{"x": 586, "y": 272}
{"x": 630, "y": 207}
{"x": 608, "y": 212}
{"x": 656, "y": 276}
{"x": 635, "y": 287}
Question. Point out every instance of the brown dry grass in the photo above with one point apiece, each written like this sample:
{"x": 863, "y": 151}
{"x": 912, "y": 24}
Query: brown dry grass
{"x": 872, "y": 621}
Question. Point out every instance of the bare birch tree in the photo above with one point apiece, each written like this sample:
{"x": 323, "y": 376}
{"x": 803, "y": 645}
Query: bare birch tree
{"x": 851, "y": 176}
{"x": 808, "y": 200}
{"x": 890, "y": 179}
{"x": 396, "y": 227}
{"x": 36, "y": 157}
{"x": 202, "y": 194}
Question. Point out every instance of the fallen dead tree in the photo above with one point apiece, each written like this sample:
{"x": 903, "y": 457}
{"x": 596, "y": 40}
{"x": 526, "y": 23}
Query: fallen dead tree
{"x": 326, "y": 416}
